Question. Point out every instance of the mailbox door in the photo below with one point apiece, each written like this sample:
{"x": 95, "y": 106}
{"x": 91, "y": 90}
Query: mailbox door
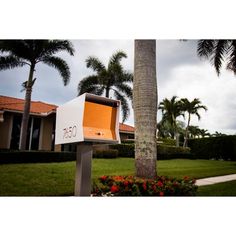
{"x": 99, "y": 122}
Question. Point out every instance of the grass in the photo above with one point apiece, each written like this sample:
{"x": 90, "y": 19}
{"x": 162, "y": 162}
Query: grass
{"x": 221, "y": 189}
{"x": 57, "y": 179}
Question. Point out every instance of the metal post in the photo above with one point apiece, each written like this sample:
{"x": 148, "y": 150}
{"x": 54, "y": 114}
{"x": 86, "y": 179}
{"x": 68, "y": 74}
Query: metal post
{"x": 83, "y": 169}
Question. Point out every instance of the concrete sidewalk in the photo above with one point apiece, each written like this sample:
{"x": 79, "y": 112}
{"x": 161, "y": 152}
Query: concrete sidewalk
{"x": 215, "y": 180}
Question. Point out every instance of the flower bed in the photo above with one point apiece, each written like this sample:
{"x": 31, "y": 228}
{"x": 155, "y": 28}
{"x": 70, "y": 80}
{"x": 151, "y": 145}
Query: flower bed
{"x": 134, "y": 186}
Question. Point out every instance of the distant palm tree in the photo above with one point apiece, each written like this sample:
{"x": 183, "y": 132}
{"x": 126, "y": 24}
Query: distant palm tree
{"x": 17, "y": 53}
{"x": 113, "y": 78}
{"x": 145, "y": 108}
{"x": 204, "y": 133}
{"x": 218, "y": 51}
{"x": 194, "y": 131}
{"x": 191, "y": 108}
{"x": 218, "y": 134}
{"x": 171, "y": 109}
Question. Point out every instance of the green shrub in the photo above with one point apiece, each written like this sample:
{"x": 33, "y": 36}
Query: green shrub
{"x": 124, "y": 150}
{"x": 223, "y": 147}
{"x": 10, "y": 156}
{"x": 134, "y": 186}
{"x": 128, "y": 141}
{"x": 107, "y": 154}
{"x": 164, "y": 152}
{"x": 167, "y": 141}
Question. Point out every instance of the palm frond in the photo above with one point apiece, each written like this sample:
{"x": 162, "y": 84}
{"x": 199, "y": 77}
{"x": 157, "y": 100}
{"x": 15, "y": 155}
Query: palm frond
{"x": 18, "y": 48}
{"x": 124, "y": 105}
{"x": 126, "y": 89}
{"x": 231, "y": 65}
{"x": 60, "y": 65}
{"x": 219, "y": 53}
{"x": 205, "y": 48}
{"x": 50, "y": 47}
{"x": 10, "y": 62}
{"x": 95, "y": 64}
{"x": 116, "y": 58}
{"x": 90, "y": 84}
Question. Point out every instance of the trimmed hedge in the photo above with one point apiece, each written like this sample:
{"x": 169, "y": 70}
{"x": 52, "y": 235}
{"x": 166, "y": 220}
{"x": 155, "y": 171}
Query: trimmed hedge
{"x": 164, "y": 152}
{"x": 7, "y": 157}
{"x": 223, "y": 147}
{"x": 107, "y": 154}
{"x": 13, "y": 156}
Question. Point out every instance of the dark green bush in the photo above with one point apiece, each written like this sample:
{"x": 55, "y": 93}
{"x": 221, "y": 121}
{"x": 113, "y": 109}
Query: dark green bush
{"x": 164, "y": 152}
{"x": 9, "y": 156}
{"x": 107, "y": 154}
{"x": 223, "y": 147}
{"x": 124, "y": 150}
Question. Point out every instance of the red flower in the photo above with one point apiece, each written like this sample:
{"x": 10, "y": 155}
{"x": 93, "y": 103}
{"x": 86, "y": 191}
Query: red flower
{"x": 161, "y": 194}
{"x": 144, "y": 186}
{"x": 186, "y": 178}
{"x": 154, "y": 188}
{"x": 103, "y": 177}
{"x": 126, "y": 183}
{"x": 159, "y": 184}
{"x": 114, "y": 189}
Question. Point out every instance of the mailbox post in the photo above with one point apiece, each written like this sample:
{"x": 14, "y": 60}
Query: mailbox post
{"x": 86, "y": 120}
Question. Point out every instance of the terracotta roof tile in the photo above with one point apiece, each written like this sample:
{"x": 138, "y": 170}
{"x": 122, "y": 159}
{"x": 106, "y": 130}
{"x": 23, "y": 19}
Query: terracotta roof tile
{"x": 126, "y": 128}
{"x": 16, "y": 104}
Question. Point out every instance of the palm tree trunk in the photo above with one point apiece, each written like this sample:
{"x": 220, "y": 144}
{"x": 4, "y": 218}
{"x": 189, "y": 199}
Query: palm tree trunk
{"x": 25, "y": 118}
{"x": 145, "y": 108}
{"x": 107, "y": 92}
{"x": 186, "y": 132}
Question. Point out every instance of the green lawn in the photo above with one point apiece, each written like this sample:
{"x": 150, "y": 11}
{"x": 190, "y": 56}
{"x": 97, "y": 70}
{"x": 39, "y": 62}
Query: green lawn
{"x": 57, "y": 179}
{"x": 221, "y": 189}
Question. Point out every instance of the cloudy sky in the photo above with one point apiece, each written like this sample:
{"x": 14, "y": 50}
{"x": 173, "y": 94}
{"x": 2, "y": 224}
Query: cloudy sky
{"x": 179, "y": 72}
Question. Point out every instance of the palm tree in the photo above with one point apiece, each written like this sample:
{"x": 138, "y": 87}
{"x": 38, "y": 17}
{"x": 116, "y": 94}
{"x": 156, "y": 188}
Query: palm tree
{"x": 194, "y": 131}
{"x": 218, "y": 51}
{"x": 145, "y": 108}
{"x": 113, "y": 78}
{"x": 171, "y": 109}
{"x": 204, "y": 133}
{"x": 191, "y": 108}
{"x": 218, "y": 134}
{"x": 17, "y": 53}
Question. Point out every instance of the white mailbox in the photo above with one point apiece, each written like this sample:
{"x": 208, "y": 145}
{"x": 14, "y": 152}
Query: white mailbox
{"x": 88, "y": 118}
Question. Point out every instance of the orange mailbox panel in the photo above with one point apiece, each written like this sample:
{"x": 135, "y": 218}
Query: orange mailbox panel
{"x": 99, "y": 121}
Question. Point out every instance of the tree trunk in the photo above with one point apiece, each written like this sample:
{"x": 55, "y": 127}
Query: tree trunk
{"x": 26, "y": 113}
{"x": 107, "y": 92}
{"x": 186, "y": 133}
{"x": 145, "y": 108}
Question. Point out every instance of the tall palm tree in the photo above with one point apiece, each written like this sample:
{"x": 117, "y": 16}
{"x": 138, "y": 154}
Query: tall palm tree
{"x": 18, "y": 53}
{"x": 113, "y": 78}
{"x": 191, "y": 108}
{"x": 171, "y": 109}
{"x": 145, "y": 108}
{"x": 218, "y": 51}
